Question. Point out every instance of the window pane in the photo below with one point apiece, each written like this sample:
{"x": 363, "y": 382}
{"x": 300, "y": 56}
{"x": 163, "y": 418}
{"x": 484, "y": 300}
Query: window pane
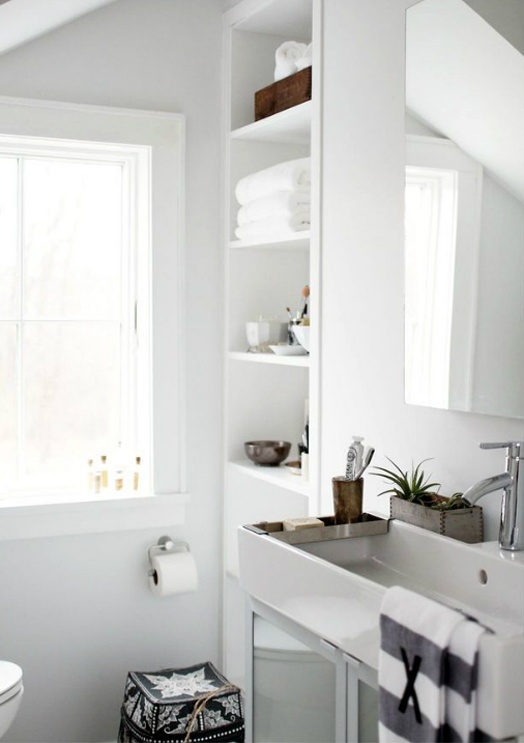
{"x": 9, "y": 290}
{"x": 8, "y": 405}
{"x": 72, "y": 239}
{"x": 71, "y": 397}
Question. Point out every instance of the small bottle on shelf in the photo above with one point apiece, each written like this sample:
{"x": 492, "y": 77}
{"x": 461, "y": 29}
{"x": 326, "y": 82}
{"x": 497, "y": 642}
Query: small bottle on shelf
{"x": 97, "y": 480}
{"x": 136, "y": 474}
{"x": 90, "y": 475}
{"x": 119, "y": 469}
{"x": 103, "y": 471}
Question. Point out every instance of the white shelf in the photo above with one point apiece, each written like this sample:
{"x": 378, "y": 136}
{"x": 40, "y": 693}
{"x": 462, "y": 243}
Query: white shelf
{"x": 270, "y": 358}
{"x": 278, "y": 476}
{"x": 292, "y": 126}
{"x": 299, "y": 241}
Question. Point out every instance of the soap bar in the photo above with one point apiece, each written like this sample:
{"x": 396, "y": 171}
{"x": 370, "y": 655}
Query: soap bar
{"x": 308, "y": 522}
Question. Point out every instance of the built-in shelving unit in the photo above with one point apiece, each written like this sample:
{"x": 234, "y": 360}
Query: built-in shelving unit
{"x": 267, "y": 396}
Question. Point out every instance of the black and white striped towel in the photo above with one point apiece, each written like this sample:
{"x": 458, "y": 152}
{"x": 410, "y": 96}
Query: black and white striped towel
{"x": 427, "y": 671}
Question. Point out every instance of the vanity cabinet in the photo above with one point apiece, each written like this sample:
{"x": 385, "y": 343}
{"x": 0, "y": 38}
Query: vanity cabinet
{"x": 267, "y": 396}
{"x": 300, "y": 688}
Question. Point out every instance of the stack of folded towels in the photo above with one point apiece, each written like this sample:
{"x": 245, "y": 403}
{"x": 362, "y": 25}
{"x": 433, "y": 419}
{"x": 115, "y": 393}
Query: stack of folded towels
{"x": 274, "y": 202}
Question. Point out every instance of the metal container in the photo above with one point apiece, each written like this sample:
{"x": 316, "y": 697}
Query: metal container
{"x": 465, "y": 524}
{"x": 267, "y": 453}
{"x": 368, "y": 525}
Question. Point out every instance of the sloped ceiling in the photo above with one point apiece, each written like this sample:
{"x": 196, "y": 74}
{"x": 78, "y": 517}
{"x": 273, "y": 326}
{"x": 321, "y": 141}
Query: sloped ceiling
{"x": 24, "y": 20}
{"x": 466, "y": 81}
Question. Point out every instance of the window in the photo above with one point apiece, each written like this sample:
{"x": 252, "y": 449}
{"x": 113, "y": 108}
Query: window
{"x": 90, "y": 283}
{"x": 68, "y": 300}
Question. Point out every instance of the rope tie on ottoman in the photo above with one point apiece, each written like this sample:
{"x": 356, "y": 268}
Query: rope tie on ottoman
{"x": 201, "y": 704}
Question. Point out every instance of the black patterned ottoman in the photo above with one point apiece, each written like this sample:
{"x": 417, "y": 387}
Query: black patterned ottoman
{"x": 185, "y": 704}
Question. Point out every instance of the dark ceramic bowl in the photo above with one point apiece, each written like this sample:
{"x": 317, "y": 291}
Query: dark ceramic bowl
{"x": 267, "y": 453}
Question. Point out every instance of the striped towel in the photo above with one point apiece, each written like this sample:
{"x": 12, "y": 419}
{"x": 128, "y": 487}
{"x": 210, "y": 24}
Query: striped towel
{"x": 427, "y": 671}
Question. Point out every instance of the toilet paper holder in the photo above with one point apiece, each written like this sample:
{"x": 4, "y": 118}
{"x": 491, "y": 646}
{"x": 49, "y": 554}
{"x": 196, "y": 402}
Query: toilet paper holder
{"x": 165, "y": 544}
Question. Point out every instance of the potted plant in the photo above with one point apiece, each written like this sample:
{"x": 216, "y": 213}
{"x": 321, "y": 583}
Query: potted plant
{"x": 415, "y": 499}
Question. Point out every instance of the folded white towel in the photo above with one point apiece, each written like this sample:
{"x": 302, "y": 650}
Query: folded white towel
{"x": 285, "y": 203}
{"x": 307, "y": 58}
{"x": 420, "y": 674}
{"x": 286, "y": 176}
{"x": 280, "y": 226}
{"x": 286, "y": 58}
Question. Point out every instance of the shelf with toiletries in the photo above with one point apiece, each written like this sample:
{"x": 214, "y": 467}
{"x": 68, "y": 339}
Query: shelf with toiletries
{"x": 263, "y": 284}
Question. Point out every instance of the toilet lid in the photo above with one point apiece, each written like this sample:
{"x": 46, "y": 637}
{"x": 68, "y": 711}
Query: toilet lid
{"x": 10, "y": 679}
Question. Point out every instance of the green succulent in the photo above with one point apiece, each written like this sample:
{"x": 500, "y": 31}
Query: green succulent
{"x": 412, "y": 486}
{"x": 452, "y": 503}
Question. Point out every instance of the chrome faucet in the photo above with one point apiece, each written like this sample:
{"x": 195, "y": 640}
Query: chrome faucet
{"x": 511, "y": 534}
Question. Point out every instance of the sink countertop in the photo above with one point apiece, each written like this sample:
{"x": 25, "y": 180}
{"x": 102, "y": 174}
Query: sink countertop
{"x": 335, "y": 589}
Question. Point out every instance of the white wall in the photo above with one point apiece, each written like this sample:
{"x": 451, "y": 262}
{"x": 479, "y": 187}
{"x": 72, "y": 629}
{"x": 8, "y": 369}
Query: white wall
{"x": 362, "y": 286}
{"x": 76, "y": 612}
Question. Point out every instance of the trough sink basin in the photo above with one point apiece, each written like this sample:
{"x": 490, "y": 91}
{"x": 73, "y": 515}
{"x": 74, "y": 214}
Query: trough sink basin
{"x": 334, "y": 589}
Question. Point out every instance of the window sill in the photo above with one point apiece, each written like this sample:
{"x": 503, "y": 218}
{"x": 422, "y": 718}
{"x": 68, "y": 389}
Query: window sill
{"x": 32, "y": 519}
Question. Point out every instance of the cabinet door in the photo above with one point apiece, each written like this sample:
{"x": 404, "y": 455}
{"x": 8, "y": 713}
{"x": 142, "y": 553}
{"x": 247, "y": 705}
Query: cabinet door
{"x": 362, "y": 702}
{"x": 294, "y": 689}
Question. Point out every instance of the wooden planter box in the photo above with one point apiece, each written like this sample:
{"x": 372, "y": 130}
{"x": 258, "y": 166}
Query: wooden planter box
{"x": 464, "y": 524}
{"x": 283, "y": 94}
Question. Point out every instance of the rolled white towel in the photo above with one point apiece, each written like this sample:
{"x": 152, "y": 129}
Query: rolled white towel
{"x": 306, "y": 60}
{"x": 286, "y": 176}
{"x": 286, "y": 56}
{"x": 279, "y": 203}
{"x": 274, "y": 227}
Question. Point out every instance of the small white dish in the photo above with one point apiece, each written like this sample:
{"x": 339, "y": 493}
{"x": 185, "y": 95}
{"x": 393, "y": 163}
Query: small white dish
{"x": 285, "y": 350}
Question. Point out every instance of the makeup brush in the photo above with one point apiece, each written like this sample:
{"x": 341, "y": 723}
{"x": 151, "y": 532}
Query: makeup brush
{"x": 305, "y": 297}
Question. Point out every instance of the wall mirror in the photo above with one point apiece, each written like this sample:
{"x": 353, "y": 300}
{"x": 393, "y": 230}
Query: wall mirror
{"x": 464, "y": 246}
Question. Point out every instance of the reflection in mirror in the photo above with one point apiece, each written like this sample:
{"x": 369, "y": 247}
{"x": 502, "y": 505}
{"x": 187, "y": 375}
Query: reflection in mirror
{"x": 464, "y": 251}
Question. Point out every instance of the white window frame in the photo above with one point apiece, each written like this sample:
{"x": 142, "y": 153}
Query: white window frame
{"x": 164, "y": 136}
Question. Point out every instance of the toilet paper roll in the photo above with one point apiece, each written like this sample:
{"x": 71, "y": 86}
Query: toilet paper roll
{"x": 173, "y": 573}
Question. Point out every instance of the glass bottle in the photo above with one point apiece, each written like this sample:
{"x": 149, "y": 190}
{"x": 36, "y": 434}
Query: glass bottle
{"x": 90, "y": 475}
{"x": 136, "y": 474}
{"x": 119, "y": 469}
{"x": 103, "y": 471}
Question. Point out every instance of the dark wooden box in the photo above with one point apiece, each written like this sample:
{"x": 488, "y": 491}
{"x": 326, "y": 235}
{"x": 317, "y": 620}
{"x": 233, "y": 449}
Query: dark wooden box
{"x": 283, "y": 94}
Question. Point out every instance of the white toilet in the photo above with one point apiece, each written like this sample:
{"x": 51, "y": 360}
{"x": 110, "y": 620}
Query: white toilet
{"x": 11, "y": 691}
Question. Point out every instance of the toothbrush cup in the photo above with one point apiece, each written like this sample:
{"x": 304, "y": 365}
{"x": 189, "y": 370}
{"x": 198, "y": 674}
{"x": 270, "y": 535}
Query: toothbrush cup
{"x": 347, "y": 499}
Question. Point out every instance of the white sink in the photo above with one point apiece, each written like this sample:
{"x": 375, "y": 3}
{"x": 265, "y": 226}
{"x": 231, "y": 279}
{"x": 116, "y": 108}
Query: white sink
{"x": 334, "y": 589}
